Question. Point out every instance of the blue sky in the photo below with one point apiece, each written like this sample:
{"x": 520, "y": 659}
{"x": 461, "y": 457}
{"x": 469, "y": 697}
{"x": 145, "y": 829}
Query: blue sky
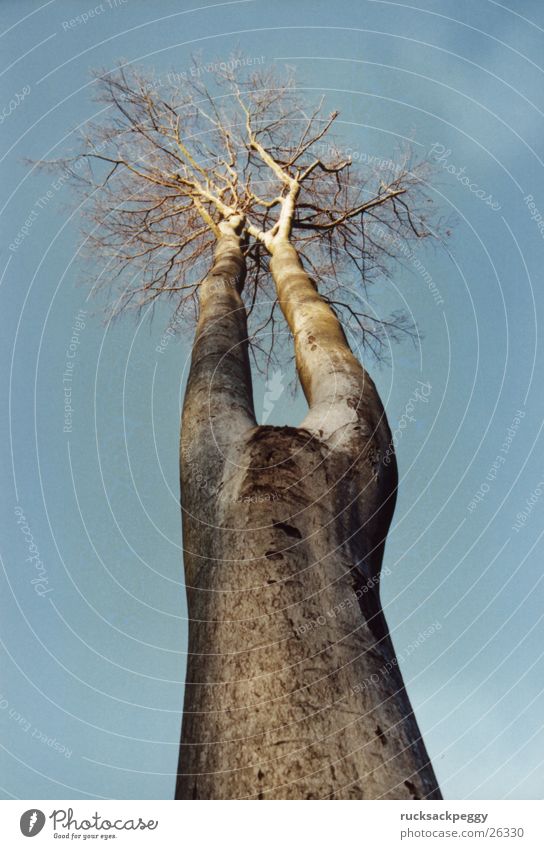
{"x": 93, "y": 661}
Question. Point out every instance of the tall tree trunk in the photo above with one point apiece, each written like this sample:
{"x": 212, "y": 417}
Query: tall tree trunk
{"x": 293, "y": 689}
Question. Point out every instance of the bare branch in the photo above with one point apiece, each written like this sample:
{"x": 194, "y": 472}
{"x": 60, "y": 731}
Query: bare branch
{"x": 169, "y": 163}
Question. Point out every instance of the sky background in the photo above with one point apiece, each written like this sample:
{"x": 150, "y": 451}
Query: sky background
{"x": 92, "y": 671}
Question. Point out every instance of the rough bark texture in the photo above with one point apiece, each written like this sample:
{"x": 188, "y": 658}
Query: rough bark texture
{"x": 293, "y": 690}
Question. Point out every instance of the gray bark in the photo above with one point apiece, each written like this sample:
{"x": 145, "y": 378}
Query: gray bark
{"x": 293, "y": 690}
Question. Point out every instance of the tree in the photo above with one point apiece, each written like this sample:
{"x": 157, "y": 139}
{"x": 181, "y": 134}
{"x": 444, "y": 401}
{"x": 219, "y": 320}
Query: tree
{"x": 229, "y": 200}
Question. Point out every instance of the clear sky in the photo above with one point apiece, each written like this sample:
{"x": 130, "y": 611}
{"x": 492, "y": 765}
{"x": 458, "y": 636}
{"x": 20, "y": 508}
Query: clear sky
{"x": 94, "y": 650}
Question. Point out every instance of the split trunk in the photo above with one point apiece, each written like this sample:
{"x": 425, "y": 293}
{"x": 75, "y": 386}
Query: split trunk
{"x": 293, "y": 690}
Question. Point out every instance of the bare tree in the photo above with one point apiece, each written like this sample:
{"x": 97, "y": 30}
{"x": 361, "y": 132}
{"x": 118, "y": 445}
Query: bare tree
{"x": 236, "y": 202}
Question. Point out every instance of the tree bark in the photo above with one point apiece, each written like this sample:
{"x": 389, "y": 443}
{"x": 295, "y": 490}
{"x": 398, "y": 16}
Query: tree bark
{"x": 293, "y": 690}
